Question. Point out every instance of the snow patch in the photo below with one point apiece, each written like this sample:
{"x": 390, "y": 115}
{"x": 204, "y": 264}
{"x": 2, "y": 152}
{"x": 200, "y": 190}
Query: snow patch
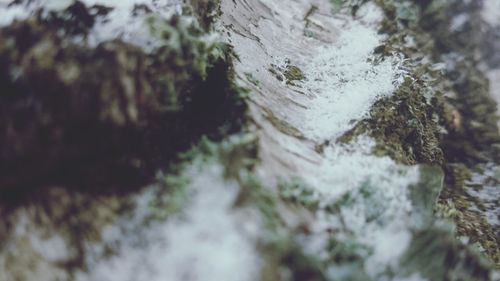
{"x": 372, "y": 194}
{"x": 370, "y": 14}
{"x": 346, "y": 168}
{"x": 488, "y": 194}
{"x": 491, "y": 12}
{"x": 346, "y": 80}
{"x": 53, "y": 249}
{"x": 208, "y": 240}
{"x": 459, "y": 21}
{"x": 121, "y": 22}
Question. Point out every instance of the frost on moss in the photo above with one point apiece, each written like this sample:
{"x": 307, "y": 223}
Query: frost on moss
{"x": 405, "y": 124}
{"x": 296, "y": 191}
{"x": 456, "y": 204}
{"x": 358, "y": 223}
{"x": 280, "y": 256}
{"x": 194, "y": 224}
{"x": 113, "y": 109}
{"x": 433, "y": 35}
{"x": 459, "y": 116}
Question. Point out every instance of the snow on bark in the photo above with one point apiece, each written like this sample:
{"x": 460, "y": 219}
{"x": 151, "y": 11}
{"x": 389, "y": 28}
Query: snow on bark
{"x": 345, "y": 81}
{"x": 313, "y": 74}
{"x": 300, "y": 121}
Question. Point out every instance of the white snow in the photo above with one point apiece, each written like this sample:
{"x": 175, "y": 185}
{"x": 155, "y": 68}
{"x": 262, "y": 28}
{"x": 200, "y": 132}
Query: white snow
{"x": 119, "y": 23}
{"x": 208, "y": 240}
{"x": 489, "y": 194}
{"x": 379, "y": 209}
{"x": 345, "y": 81}
{"x": 211, "y": 240}
{"x": 53, "y": 249}
{"x": 347, "y": 167}
{"x": 459, "y": 21}
{"x": 370, "y": 14}
{"x": 491, "y": 12}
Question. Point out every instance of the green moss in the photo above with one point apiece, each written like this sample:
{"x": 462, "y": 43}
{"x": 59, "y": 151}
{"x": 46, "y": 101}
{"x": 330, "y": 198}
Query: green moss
{"x": 404, "y": 125}
{"x": 477, "y": 131}
{"x": 296, "y": 191}
{"x": 285, "y": 260}
{"x": 237, "y": 153}
{"x": 207, "y": 11}
{"x": 476, "y": 139}
{"x": 347, "y": 258}
{"x": 408, "y": 126}
{"x": 186, "y": 56}
{"x": 283, "y": 257}
{"x": 293, "y": 73}
{"x": 403, "y": 12}
{"x": 458, "y": 130}
{"x": 455, "y": 203}
{"x": 109, "y": 116}
{"x": 171, "y": 197}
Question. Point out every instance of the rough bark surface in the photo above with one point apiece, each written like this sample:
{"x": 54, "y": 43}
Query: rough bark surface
{"x": 249, "y": 140}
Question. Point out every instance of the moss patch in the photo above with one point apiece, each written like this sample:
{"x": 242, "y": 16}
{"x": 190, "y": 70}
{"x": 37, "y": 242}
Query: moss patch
{"x": 207, "y": 11}
{"x": 107, "y": 116}
{"x": 289, "y": 73}
{"x": 404, "y": 125}
{"x": 295, "y": 191}
{"x": 293, "y": 73}
{"x": 465, "y": 115}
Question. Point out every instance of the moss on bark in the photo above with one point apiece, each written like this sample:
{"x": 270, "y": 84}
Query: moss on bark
{"x": 107, "y": 116}
{"x": 463, "y": 122}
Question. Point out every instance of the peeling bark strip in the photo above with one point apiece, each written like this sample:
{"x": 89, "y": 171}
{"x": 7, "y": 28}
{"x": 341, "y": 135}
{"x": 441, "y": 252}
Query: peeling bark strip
{"x": 368, "y": 151}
